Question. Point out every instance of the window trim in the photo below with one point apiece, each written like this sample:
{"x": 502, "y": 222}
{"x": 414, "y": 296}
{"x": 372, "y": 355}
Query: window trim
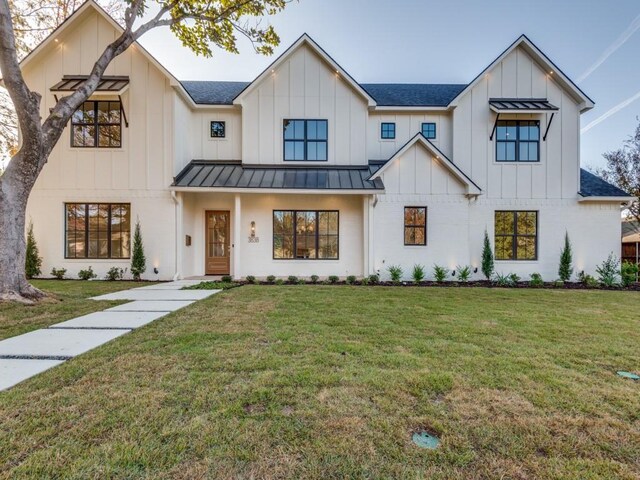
{"x": 295, "y": 235}
{"x": 382, "y": 124}
{"x": 515, "y": 236}
{"x": 405, "y": 226}
{"x": 517, "y": 143}
{"x": 305, "y": 140}
{"x": 96, "y": 125}
{"x": 435, "y": 134}
{"x": 86, "y": 231}
{"x": 224, "y": 129}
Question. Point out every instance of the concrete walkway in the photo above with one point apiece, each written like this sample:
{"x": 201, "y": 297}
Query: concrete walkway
{"x": 29, "y": 354}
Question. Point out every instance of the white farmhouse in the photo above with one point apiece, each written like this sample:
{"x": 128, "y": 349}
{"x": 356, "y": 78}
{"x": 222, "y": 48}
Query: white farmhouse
{"x": 304, "y": 170}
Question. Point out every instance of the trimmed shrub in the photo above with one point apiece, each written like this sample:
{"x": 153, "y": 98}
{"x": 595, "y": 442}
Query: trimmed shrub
{"x": 565, "y": 270}
{"x": 292, "y": 279}
{"x": 87, "y": 274}
{"x": 365, "y": 281}
{"x": 59, "y": 273}
{"x": 251, "y": 279}
{"x": 33, "y": 261}
{"x": 418, "y": 273}
{"x": 314, "y": 279}
{"x": 628, "y": 273}
{"x": 279, "y": 281}
{"x": 114, "y": 273}
{"x": 608, "y": 271}
{"x": 514, "y": 278}
{"x": 464, "y": 273}
{"x": 351, "y": 279}
{"x": 138, "y": 258}
{"x": 226, "y": 279}
{"x": 395, "y": 272}
{"x": 487, "y": 257}
{"x": 536, "y": 280}
{"x": 333, "y": 278}
{"x": 439, "y": 273}
{"x": 373, "y": 279}
{"x": 271, "y": 279}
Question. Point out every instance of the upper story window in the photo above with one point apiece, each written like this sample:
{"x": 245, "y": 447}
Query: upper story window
{"x": 516, "y": 235}
{"x": 218, "y": 129}
{"x": 97, "y": 124}
{"x": 415, "y": 225}
{"x": 429, "y": 130}
{"x": 97, "y": 230}
{"x": 388, "y": 131}
{"x": 305, "y": 140}
{"x": 518, "y": 141}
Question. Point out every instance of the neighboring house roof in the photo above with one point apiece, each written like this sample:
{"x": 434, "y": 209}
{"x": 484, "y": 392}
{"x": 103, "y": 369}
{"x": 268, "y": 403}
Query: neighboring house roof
{"x": 234, "y": 175}
{"x": 213, "y": 93}
{"x": 630, "y": 231}
{"x": 413, "y": 94}
{"x": 592, "y": 186}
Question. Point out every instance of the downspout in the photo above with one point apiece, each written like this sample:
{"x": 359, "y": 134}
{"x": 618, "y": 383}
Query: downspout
{"x": 177, "y": 200}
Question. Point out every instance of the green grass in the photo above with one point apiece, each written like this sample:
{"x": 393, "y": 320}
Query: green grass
{"x": 68, "y": 299}
{"x": 329, "y": 382}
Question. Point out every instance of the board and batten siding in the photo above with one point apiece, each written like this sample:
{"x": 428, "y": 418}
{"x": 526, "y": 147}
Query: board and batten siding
{"x": 304, "y": 87}
{"x": 556, "y": 175}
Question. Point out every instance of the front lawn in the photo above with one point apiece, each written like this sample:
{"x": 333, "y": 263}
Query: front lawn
{"x": 330, "y": 382}
{"x": 69, "y": 299}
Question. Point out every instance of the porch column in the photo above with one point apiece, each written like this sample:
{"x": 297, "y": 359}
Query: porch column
{"x": 177, "y": 198}
{"x": 237, "y": 237}
{"x": 367, "y": 234}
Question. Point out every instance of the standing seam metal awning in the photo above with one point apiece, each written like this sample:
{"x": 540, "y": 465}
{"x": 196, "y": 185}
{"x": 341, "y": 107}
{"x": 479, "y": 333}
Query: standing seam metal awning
{"x": 109, "y": 84}
{"x": 521, "y": 105}
{"x": 207, "y": 174}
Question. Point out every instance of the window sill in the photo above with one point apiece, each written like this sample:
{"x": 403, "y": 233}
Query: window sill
{"x": 99, "y": 260}
{"x": 96, "y": 149}
{"x": 517, "y": 262}
{"x": 496, "y": 162}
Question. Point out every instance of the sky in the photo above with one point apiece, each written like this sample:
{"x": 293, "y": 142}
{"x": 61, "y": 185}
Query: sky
{"x": 595, "y": 42}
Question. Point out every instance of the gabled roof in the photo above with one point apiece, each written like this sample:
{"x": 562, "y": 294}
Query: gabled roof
{"x": 472, "y": 188}
{"x": 307, "y": 40}
{"x": 413, "y": 94}
{"x": 558, "y": 75}
{"x": 597, "y": 189}
{"x": 213, "y": 93}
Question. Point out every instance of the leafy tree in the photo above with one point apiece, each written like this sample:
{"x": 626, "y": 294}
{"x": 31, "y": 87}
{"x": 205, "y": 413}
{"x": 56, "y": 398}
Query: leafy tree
{"x": 201, "y": 25}
{"x": 487, "y": 257}
{"x": 565, "y": 270}
{"x": 33, "y": 261}
{"x": 623, "y": 170}
{"x": 138, "y": 259}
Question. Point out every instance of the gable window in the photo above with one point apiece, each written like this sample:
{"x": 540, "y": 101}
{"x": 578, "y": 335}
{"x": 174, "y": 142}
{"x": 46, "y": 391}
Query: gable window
{"x": 97, "y": 230}
{"x": 516, "y": 235}
{"x": 97, "y": 124}
{"x": 388, "y": 131}
{"x": 218, "y": 129}
{"x": 305, "y": 140}
{"x": 518, "y": 141}
{"x": 429, "y": 130}
{"x": 415, "y": 225}
{"x": 305, "y": 234}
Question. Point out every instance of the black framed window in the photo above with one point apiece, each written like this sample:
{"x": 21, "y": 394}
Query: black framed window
{"x": 429, "y": 130}
{"x": 97, "y": 124}
{"x": 305, "y": 140}
{"x": 97, "y": 230}
{"x": 518, "y": 141}
{"x": 305, "y": 234}
{"x": 516, "y": 235}
{"x": 415, "y": 225}
{"x": 218, "y": 129}
{"x": 388, "y": 130}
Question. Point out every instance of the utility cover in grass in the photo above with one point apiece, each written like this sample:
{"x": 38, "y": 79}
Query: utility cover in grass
{"x": 630, "y": 375}
{"x": 425, "y": 440}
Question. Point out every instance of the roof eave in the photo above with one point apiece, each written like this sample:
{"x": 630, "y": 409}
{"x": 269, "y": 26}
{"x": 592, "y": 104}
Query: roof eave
{"x": 582, "y": 198}
{"x": 318, "y": 191}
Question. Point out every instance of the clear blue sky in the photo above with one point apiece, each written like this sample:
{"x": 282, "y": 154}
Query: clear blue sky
{"x": 452, "y": 41}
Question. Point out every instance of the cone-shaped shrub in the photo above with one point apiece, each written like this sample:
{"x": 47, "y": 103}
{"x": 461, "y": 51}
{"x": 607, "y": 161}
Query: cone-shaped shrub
{"x": 138, "y": 260}
{"x": 33, "y": 261}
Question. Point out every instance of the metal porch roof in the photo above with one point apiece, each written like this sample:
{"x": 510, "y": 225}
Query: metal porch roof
{"x": 523, "y": 105}
{"x": 108, "y": 83}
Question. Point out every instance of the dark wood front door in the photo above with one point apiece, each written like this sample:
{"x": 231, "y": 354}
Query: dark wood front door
{"x": 217, "y": 255}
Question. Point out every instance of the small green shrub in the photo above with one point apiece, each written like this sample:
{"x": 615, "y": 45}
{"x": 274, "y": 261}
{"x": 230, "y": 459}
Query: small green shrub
{"x": 395, "y": 272}
{"x": 487, "y": 257}
{"x": 514, "y": 278}
{"x": 374, "y": 279}
{"x": 279, "y": 281}
{"x": 33, "y": 260}
{"x": 365, "y": 281}
{"x": 351, "y": 279}
{"x": 418, "y": 273}
{"x": 565, "y": 270}
{"x": 464, "y": 273}
{"x": 271, "y": 279}
{"x": 211, "y": 286}
{"x": 508, "y": 280}
{"x": 292, "y": 279}
{"x": 536, "y": 280}
{"x": 87, "y": 274}
{"x": 558, "y": 284}
{"x": 333, "y": 279}
{"x": 138, "y": 258}
{"x": 314, "y": 279}
{"x": 59, "y": 273}
{"x": 226, "y": 279}
{"x": 628, "y": 273}
{"x": 608, "y": 271}
{"x": 251, "y": 279}
{"x": 439, "y": 273}
{"x": 114, "y": 274}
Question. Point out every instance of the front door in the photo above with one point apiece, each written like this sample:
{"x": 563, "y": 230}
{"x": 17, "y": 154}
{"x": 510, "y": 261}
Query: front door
{"x": 217, "y": 255}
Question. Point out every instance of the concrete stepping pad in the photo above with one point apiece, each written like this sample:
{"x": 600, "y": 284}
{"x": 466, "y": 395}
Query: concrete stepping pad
{"x": 56, "y": 344}
{"x": 16, "y": 370}
{"x": 126, "y": 320}
{"x": 157, "y": 295}
{"x": 151, "y": 306}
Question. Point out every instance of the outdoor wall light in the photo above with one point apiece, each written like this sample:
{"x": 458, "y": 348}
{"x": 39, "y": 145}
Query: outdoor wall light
{"x": 155, "y": 270}
{"x": 253, "y": 229}
{"x": 475, "y": 270}
{"x": 453, "y": 273}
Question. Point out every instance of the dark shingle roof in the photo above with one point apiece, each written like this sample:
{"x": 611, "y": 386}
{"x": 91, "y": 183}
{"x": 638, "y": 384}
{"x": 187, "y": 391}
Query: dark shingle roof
{"x": 413, "y": 94}
{"x": 213, "y": 93}
{"x": 593, "y": 186}
{"x": 209, "y": 174}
